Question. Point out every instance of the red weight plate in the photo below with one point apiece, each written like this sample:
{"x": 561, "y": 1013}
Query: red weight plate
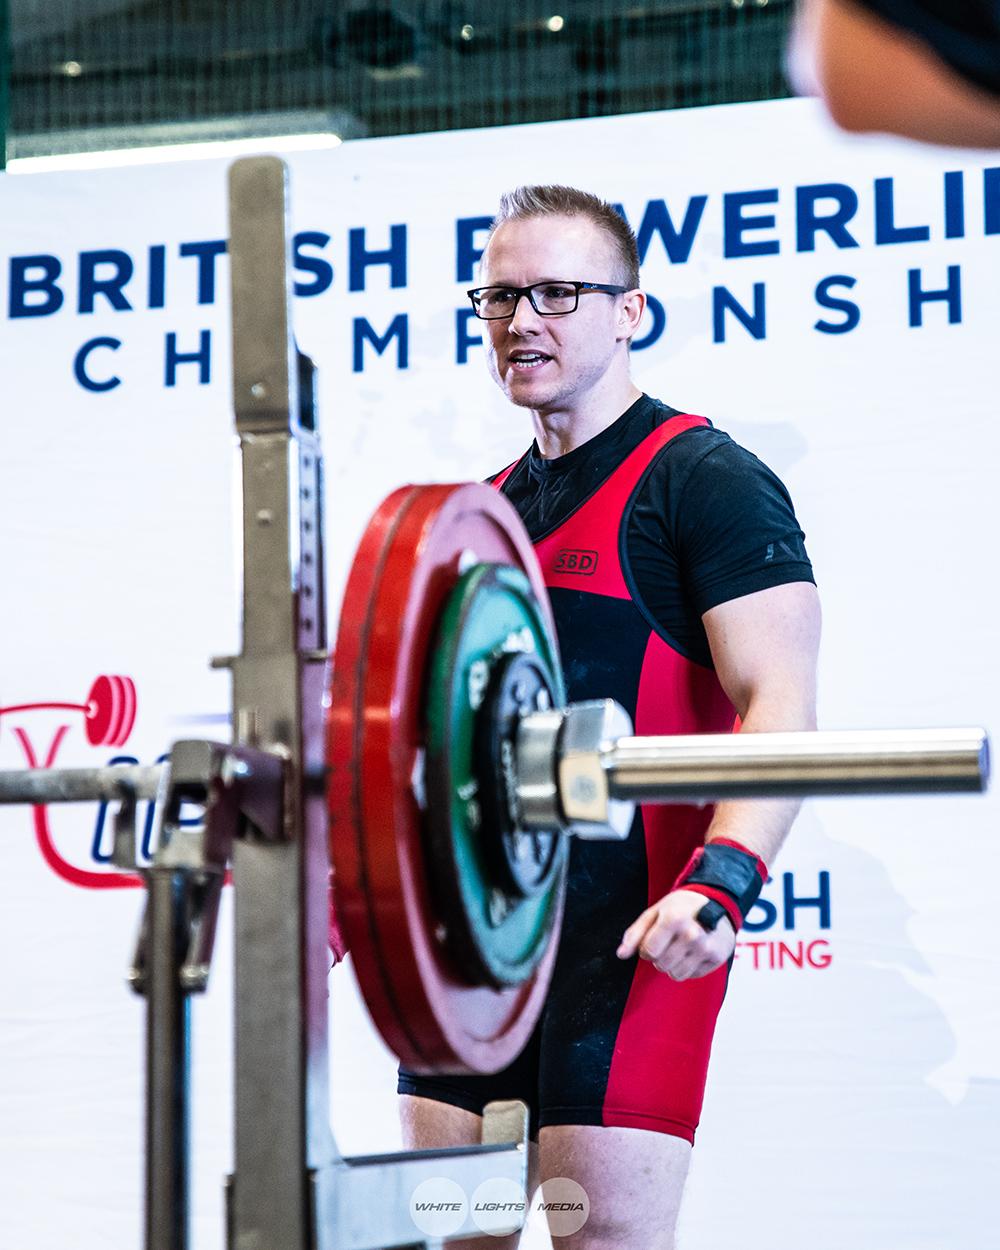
{"x": 404, "y": 569}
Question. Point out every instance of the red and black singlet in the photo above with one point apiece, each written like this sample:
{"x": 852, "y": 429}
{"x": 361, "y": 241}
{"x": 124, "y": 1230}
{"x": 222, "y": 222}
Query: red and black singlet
{"x": 639, "y": 532}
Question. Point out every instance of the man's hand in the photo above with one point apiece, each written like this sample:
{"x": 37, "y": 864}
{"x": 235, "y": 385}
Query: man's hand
{"x": 668, "y": 935}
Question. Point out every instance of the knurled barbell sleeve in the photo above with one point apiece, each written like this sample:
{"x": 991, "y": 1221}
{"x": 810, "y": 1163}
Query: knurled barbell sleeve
{"x": 708, "y": 768}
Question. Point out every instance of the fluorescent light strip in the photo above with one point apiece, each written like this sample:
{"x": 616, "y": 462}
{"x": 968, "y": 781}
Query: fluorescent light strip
{"x": 159, "y": 154}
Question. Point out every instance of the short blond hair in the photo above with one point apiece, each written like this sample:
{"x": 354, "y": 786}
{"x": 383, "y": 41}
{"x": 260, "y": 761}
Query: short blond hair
{"x": 559, "y": 201}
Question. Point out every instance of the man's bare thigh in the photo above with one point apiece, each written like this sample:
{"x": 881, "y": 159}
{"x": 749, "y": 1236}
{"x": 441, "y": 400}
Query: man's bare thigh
{"x": 632, "y": 1178}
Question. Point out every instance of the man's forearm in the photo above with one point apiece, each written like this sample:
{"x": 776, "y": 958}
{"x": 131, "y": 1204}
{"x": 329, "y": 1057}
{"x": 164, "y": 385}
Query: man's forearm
{"x": 761, "y": 825}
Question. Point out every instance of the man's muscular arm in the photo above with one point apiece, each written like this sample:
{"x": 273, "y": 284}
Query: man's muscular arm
{"x": 764, "y": 646}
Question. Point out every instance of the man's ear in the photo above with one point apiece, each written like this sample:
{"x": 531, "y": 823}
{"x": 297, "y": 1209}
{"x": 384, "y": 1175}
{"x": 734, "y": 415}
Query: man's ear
{"x": 632, "y": 308}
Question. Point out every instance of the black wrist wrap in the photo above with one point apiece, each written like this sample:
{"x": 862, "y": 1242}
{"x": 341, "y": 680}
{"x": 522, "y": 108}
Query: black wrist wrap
{"x": 732, "y": 871}
{"x": 710, "y": 915}
{"x": 728, "y": 870}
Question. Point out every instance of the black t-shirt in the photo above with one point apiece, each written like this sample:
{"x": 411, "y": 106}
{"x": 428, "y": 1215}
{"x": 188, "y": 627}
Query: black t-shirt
{"x": 708, "y": 522}
{"x": 965, "y": 34}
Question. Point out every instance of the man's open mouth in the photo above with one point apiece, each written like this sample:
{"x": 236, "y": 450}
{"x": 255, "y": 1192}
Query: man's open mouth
{"x": 528, "y": 360}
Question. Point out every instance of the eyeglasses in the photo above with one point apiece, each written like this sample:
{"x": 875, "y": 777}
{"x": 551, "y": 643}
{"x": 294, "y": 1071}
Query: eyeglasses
{"x": 548, "y": 299}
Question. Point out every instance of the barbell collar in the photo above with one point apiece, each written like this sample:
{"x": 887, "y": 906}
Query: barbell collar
{"x": 80, "y": 785}
{"x": 714, "y": 767}
{"x": 537, "y": 788}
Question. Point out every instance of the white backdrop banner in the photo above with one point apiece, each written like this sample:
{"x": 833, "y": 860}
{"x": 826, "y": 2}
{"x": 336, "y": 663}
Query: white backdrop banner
{"x": 833, "y": 304}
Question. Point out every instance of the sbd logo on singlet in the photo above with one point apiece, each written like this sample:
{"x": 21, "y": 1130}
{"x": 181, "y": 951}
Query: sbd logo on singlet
{"x": 582, "y": 562}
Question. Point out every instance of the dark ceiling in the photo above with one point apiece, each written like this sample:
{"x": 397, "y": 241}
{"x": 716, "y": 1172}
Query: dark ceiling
{"x": 91, "y": 73}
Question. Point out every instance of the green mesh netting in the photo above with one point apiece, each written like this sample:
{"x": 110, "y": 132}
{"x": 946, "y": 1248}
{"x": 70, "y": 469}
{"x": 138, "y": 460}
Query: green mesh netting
{"x": 91, "y": 74}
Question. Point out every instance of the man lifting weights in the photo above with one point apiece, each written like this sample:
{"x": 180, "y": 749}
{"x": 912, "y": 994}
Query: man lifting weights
{"x": 696, "y": 605}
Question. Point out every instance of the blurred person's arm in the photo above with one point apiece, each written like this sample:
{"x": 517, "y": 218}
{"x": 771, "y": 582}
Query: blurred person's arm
{"x": 917, "y": 68}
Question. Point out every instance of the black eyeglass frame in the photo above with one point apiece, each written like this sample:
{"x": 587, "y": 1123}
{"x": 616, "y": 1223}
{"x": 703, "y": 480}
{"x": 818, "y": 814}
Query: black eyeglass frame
{"x": 520, "y": 291}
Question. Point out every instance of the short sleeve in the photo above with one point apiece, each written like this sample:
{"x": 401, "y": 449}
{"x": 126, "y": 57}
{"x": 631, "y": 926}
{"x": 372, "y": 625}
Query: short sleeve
{"x": 708, "y": 523}
{"x": 735, "y": 530}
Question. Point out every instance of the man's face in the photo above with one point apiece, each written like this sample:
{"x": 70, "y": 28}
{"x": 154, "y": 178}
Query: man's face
{"x": 552, "y": 363}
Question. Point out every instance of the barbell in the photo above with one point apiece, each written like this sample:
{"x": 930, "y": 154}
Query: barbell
{"x": 455, "y": 771}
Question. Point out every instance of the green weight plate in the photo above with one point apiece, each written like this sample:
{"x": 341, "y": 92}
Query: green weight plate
{"x": 493, "y": 931}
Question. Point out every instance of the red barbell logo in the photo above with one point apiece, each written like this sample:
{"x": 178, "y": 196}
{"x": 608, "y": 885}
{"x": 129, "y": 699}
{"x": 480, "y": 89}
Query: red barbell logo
{"x": 109, "y": 711}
